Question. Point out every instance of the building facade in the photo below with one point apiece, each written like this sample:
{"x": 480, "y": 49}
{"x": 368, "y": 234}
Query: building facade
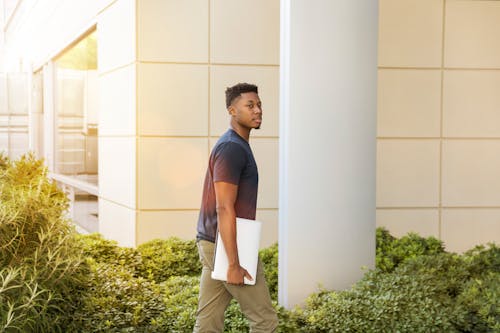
{"x": 124, "y": 99}
{"x": 438, "y": 129}
{"x": 152, "y": 100}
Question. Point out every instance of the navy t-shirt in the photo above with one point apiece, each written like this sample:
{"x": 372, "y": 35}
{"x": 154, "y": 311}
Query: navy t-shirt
{"x": 231, "y": 161}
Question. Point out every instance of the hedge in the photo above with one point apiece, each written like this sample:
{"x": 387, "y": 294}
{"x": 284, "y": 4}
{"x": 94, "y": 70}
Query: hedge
{"x": 53, "y": 280}
{"x": 41, "y": 271}
{"x": 431, "y": 291}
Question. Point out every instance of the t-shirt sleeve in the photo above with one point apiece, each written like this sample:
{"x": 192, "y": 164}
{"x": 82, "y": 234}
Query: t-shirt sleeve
{"x": 229, "y": 161}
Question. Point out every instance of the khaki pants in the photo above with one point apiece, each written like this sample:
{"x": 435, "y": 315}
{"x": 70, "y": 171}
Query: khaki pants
{"x": 255, "y": 302}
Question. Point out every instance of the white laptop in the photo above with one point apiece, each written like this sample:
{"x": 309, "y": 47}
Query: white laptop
{"x": 248, "y": 241}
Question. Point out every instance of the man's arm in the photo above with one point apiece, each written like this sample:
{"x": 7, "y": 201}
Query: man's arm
{"x": 225, "y": 194}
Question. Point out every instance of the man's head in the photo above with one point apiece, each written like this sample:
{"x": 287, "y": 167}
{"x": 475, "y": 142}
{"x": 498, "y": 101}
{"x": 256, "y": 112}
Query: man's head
{"x": 234, "y": 92}
{"x": 244, "y": 105}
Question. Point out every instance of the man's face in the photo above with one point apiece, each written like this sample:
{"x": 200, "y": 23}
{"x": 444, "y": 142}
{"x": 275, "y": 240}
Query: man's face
{"x": 247, "y": 110}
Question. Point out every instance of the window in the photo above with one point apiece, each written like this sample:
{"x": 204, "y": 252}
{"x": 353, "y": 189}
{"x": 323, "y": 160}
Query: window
{"x": 76, "y": 111}
{"x": 76, "y": 129}
{"x": 14, "y": 139}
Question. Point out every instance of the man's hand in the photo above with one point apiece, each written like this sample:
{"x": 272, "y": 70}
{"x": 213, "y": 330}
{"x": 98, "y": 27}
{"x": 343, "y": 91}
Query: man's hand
{"x": 236, "y": 273}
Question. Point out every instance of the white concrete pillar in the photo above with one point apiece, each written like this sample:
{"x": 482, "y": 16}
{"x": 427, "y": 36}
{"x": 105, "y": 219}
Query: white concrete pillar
{"x": 327, "y": 144}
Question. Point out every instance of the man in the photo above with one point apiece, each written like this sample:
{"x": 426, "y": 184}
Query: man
{"x": 230, "y": 191}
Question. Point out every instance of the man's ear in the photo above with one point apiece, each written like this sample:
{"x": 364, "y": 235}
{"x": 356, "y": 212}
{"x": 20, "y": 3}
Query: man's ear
{"x": 231, "y": 110}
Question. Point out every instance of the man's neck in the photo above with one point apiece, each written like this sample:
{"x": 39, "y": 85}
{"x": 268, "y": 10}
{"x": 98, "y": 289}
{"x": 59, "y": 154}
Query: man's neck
{"x": 242, "y": 131}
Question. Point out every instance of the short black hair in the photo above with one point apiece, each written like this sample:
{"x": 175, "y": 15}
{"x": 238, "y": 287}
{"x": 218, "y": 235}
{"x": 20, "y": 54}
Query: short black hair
{"x": 235, "y": 91}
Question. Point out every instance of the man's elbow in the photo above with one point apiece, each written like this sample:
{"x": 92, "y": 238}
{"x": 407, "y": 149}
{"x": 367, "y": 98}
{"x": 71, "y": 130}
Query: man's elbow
{"x": 223, "y": 209}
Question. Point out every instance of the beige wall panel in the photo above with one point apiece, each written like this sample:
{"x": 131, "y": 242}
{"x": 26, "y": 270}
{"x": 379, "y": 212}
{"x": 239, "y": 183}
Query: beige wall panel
{"x": 245, "y": 32}
{"x": 116, "y": 35}
{"x": 399, "y": 222}
{"x": 266, "y": 153}
{"x": 471, "y": 103}
{"x": 471, "y": 173}
{"x": 117, "y": 102}
{"x": 471, "y": 34}
{"x": 407, "y": 173}
{"x": 213, "y": 141}
{"x": 462, "y": 229}
{"x": 171, "y": 172}
{"x": 173, "y": 99}
{"x": 269, "y": 233}
{"x": 166, "y": 224}
{"x": 266, "y": 78}
{"x": 117, "y": 222}
{"x": 173, "y": 30}
{"x": 409, "y": 103}
{"x": 410, "y": 33}
{"x": 117, "y": 171}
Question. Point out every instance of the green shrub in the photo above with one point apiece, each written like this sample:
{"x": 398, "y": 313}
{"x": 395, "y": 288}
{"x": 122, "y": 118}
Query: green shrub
{"x": 235, "y": 321}
{"x": 181, "y": 300}
{"x": 105, "y": 251}
{"x": 37, "y": 255}
{"x": 420, "y": 289}
{"x": 54, "y": 281}
{"x": 381, "y": 302}
{"x": 156, "y": 260}
{"x": 138, "y": 290}
{"x": 116, "y": 301}
{"x": 384, "y": 245}
{"x": 391, "y": 252}
{"x": 483, "y": 259}
{"x": 481, "y": 293}
{"x": 269, "y": 257}
{"x": 22, "y": 302}
{"x": 481, "y": 298}
{"x": 163, "y": 258}
{"x": 31, "y": 211}
{"x": 443, "y": 292}
{"x": 452, "y": 271}
{"x": 446, "y": 272}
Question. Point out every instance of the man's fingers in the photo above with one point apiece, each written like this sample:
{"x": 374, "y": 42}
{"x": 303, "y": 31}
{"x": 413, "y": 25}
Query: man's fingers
{"x": 237, "y": 277}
